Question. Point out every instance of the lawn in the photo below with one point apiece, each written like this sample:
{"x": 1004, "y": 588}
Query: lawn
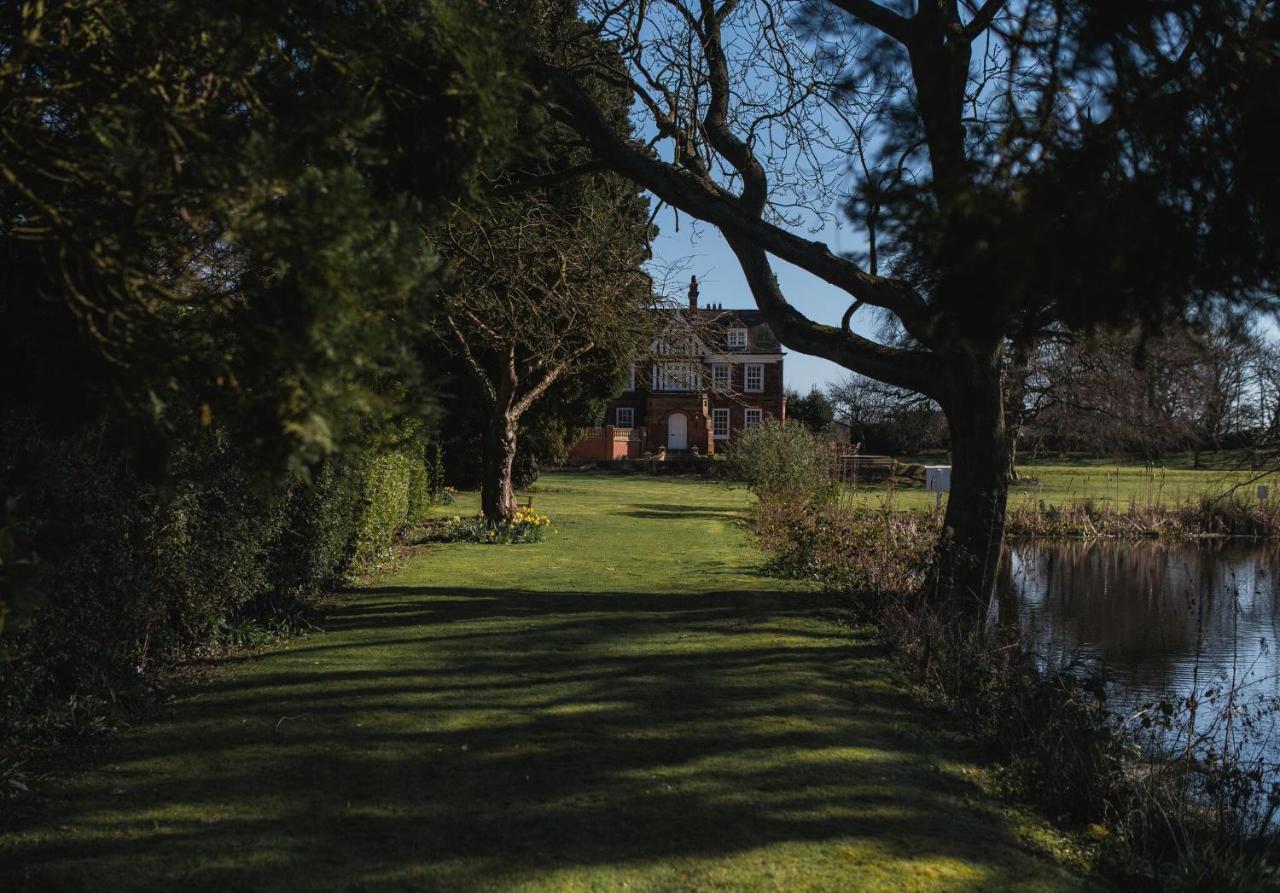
{"x": 628, "y": 705}
{"x": 1115, "y": 485}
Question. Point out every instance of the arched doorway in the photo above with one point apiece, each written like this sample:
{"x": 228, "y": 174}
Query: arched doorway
{"x": 677, "y": 431}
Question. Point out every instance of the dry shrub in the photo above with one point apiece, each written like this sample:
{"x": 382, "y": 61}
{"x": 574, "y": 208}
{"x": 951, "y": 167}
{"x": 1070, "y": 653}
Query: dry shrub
{"x": 1232, "y": 515}
{"x": 1050, "y": 724}
{"x": 851, "y": 549}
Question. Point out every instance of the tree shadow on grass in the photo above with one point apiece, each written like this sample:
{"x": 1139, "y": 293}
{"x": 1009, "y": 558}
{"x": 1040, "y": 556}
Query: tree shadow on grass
{"x": 659, "y": 511}
{"x": 481, "y": 739}
{"x": 653, "y": 515}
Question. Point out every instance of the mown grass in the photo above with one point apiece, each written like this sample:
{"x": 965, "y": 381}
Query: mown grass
{"x": 627, "y": 705}
{"x": 1116, "y": 486}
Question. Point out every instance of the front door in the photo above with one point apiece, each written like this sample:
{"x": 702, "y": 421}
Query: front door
{"x": 677, "y": 431}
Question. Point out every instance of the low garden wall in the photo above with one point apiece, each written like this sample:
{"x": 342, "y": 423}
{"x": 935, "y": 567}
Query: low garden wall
{"x": 608, "y": 444}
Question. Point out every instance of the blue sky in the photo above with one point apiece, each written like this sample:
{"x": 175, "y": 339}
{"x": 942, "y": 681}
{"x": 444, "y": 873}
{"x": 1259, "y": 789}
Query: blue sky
{"x": 701, "y": 250}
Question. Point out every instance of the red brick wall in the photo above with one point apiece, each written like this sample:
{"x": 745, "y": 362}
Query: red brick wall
{"x": 661, "y": 405}
{"x": 653, "y": 408}
{"x": 608, "y": 443}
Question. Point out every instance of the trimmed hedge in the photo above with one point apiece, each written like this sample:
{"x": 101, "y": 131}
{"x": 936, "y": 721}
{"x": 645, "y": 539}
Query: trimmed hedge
{"x": 132, "y": 573}
{"x": 386, "y": 479}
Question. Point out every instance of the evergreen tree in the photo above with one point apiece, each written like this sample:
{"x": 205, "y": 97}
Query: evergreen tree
{"x": 813, "y": 410}
{"x": 211, "y": 221}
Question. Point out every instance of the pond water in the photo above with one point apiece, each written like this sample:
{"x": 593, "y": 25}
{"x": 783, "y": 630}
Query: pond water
{"x": 1157, "y": 619}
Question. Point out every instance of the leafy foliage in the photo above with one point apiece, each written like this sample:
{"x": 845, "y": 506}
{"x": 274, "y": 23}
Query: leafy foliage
{"x": 216, "y": 287}
{"x": 205, "y": 208}
{"x": 813, "y": 410}
{"x": 781, "y": 461}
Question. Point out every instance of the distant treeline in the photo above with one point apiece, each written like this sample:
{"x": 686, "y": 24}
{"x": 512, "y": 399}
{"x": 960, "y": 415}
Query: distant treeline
{"x": 1211, "y": 387}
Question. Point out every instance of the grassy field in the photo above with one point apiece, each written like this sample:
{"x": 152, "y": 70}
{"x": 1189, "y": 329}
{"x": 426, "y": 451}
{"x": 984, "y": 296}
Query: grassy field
{"x": 1115, "y": 485}
{"x": 626, "y": 706}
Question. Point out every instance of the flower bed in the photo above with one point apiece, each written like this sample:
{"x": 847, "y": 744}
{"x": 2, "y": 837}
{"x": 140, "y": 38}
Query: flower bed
{"x": 526, "y": 527}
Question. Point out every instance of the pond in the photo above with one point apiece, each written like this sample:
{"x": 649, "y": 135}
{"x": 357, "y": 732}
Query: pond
{"x": 1157, "y": 619}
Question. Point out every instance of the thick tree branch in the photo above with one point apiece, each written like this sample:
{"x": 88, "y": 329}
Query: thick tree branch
{"x": 710, "y": 203}
{"x": 912, "y": 369}
{"x": 755, "y": 185}
{"x": 884, "y": 20}
{"x": 982, "y": 19}
{"x": 548, "y": 379}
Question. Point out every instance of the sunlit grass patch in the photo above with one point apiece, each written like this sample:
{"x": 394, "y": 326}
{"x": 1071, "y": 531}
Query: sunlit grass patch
{"x": 629, "y": 705}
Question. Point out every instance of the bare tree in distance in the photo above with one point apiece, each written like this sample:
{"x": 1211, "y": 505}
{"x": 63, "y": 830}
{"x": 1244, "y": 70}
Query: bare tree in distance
{"x": 1016, "y": 164}
{"x": 1121, "y": 394}
{"x": 881, "y": 416}
{"x": 540, "y": 295}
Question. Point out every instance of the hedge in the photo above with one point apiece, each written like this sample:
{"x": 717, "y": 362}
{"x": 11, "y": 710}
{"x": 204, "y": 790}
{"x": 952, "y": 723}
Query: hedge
{"x": 134, "y": 574}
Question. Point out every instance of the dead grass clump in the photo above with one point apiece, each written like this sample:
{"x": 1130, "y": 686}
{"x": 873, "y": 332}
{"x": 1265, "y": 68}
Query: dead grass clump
{"x": 1231, "y": 515}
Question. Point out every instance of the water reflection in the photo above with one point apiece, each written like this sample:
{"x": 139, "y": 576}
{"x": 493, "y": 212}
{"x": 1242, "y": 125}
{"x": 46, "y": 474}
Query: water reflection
{"x": 1162, "y": 619}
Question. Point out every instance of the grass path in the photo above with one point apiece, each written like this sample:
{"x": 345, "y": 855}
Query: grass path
{"x": 628, "y": 705}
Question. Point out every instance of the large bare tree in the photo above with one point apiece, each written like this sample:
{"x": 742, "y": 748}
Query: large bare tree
{"x": 545, "y": 289}
{"x": 1012, "y": 164}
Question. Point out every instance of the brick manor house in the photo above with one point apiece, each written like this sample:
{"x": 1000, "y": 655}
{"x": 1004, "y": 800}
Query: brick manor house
{"x": 712, "y": 372}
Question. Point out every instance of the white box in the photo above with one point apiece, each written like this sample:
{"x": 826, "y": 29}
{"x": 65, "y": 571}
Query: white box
{"x": 937, "y": 478}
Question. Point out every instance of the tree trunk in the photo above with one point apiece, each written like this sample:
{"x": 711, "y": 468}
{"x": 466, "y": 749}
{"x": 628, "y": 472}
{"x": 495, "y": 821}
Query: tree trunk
{"x": 497, "y": 496}
{"x": 1015, "y": 399}
{"x": 969, "y": 551}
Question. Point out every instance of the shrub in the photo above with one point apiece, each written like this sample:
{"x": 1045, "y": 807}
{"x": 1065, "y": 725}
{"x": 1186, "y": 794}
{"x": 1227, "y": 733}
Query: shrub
{"x": 858, "y": 550}
{"x": 419, "y": 497}
{"x": 782, "y": 461}
{"x": 131, "y": 574}
{"x": 394, "y": 498}
{"x": 317, "y": 544}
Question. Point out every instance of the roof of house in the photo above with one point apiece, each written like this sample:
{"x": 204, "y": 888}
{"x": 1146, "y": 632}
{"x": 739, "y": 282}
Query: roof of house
{"x": 716, "y": 321}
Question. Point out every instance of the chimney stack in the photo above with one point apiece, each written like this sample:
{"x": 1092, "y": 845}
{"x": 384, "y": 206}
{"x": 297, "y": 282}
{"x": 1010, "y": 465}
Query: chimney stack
{"x": 693, "y": 292}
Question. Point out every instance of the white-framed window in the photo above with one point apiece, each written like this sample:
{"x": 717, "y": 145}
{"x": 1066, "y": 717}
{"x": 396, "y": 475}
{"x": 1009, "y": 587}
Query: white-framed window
{"x": 720, "y": 380}
{"x": 751, "y": 418}
{"x": 737, "y": 337}
{"x": 624, "y": 417}
{"x": 672, "y": 377}
{"x": 631, "y": 378}
{"x": 720, "y": 424}
{"x": 753, "y": 377}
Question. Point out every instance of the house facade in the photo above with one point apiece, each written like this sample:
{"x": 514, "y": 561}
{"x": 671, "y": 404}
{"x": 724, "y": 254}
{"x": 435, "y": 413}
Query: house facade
{"x": 711, "y": 373}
